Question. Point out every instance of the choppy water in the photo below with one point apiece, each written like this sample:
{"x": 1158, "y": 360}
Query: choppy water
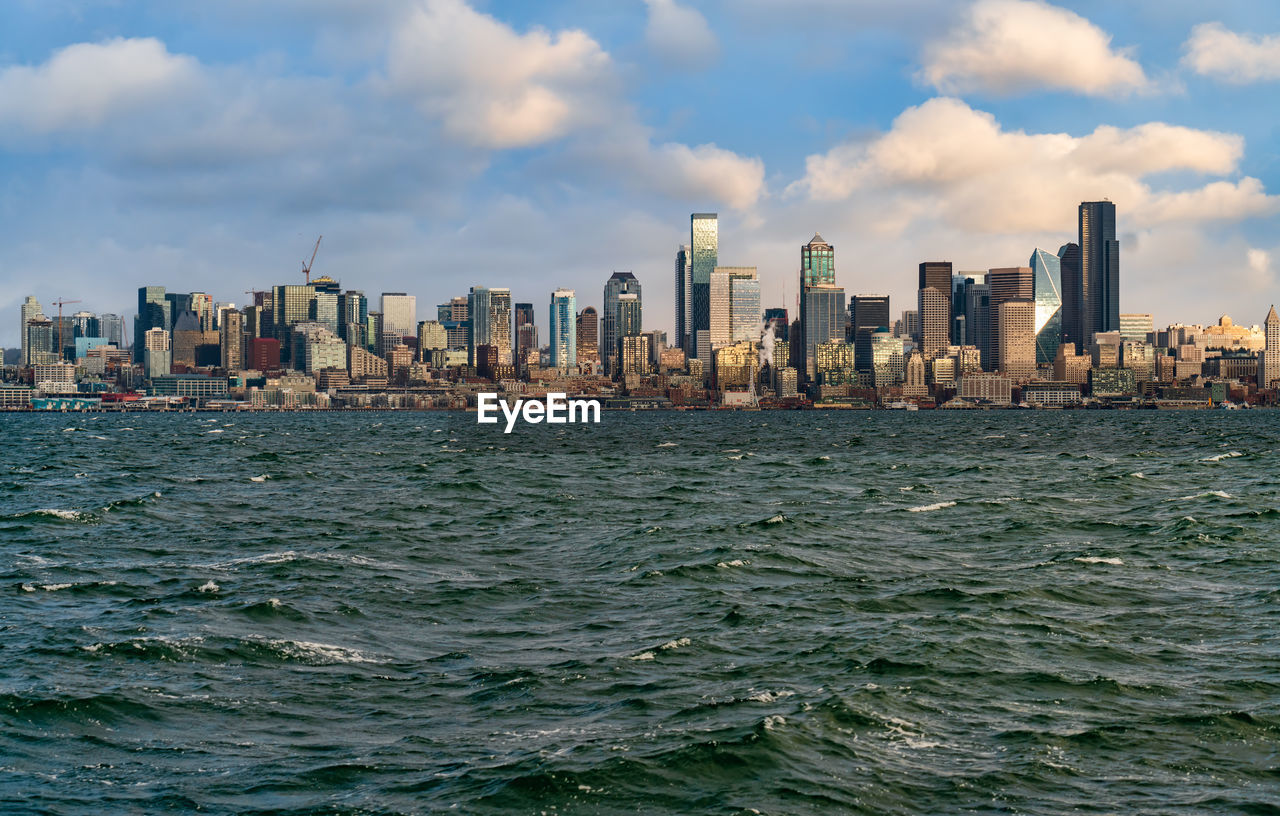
{"x": 775, "y": 612}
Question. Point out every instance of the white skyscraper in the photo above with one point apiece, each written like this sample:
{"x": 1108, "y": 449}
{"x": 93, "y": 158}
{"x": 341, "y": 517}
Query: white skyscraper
{"x": 1269, "y": 370}
{"x": 564, "y": 329}
{"x": 400, "y": 313}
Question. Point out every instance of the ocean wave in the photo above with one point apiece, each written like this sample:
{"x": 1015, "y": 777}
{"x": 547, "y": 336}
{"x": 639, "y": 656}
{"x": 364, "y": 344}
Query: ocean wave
{"x": 931, "y": 507}
{"x": 1098, "y": 559}
{"x": 1219, "y": 457}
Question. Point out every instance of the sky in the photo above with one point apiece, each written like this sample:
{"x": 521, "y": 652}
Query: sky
{"x": 441, "y": 144}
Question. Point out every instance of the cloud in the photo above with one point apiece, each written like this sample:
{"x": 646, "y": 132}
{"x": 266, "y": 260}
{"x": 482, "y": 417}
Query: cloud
{"x": 945, "y": 160}
{"x": 1015, "y": 46}
{"x": 491, "y": 86}
{"x": 1215, "y": 51}
{"x": 679, "y": 35}
{"x": 1259, "y": 265}
{"x": 84, "y": 85}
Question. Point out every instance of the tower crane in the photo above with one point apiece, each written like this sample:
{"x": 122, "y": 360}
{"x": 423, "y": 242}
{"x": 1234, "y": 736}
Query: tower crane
{"x": 61, "y": 349}
{"x": 306, "y": 267}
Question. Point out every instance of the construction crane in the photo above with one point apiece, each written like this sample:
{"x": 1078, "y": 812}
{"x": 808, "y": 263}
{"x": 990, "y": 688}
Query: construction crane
{"x": 306, "y": 267}
{"x": 62, "y": 353}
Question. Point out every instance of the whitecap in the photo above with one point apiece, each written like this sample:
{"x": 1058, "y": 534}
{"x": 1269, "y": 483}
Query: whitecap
{"x": 308, "y": 650}
{"x": 55, "y": 587}
{"x": 644, "y": 656}
{"x": 769, "y": 696}
{"x": 778, "y": 519}
{"x": 929, "y": 507}
{"x": 1221, "y": 494}
{"x": 69, "y": 515}
{"x": 208, "y": 586}
{"x": 666, "y": 445}
{"x": 771, "y": 722}
{"x": 1097, "y": 559}
{"x": 736, "y": 458}
{"x": 737, "y": 562}
{"x": 215, "y": 430}
{"x": 1221, "y": 456}
{"x": 261, "y": 478}
{"x": 675, "y": 644}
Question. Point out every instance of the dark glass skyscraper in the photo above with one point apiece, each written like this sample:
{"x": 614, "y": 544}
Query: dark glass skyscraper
{"x": 867, "y": 314}
{"x": 1046, "y": 272}
{"x": 1072, "y": 295}
{"x": 523, "y": 317}
{"x": 683, "y": 301}
{"x": 619, "y": 283}
{"x": 1099, "y": 268}
{"x": 704, "y": 246}
{"x": 153, "y": 313}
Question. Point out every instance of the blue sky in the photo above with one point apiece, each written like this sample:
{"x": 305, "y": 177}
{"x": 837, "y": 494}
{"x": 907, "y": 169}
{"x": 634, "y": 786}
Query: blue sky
{"x": 439, "y": 144}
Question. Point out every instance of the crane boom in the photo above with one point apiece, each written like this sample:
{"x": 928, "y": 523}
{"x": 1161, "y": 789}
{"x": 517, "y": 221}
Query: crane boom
{"x": 307, "y": 268}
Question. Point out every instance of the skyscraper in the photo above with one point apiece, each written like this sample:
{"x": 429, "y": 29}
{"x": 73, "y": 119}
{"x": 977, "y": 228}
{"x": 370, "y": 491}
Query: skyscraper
{"x": 1046, "y": 284}
{"x": 588, "y": 335}
{"x": 619, "y": 283}
{"x": 628, "y": 324}
{"x": 1099, "y": 267}
{"x": 30, "y": 311}
{"x": 353, "y": 315}
{"x": 153, "y": 313}
{"x": 478, "y": 307}
{"x": 817, "y": 263}
{"x": 735, "y": 305}
{"x": 1269, "y": 371}
{"x": 1072, "y": 297}
{"x": 1006, "y": 284}
{"x": 704, "y": 243}
{"x": 112, "y": 328}
{"x": 934, "y": 306}
{"x": 231, "y": 339}
{"x": 500, "y": 323}
{"x": 867, "y": 315}
{"x": 1017, "y": 340}
{"x": 563, "y": 325}
{"x": 399, "y": 313}
{"x": 821, "y": 321}
{"x": 684, "y": 301}
{"x": 524, "y": 339}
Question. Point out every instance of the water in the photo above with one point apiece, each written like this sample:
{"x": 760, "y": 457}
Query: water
{"x": 781, "y": 613}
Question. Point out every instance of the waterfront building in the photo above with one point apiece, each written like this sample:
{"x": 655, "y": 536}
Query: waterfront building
{"x": 1071, "y": 367}
{"x": 736, "y": 366}
{"x": 1051, "y": 394}
{"x": 563, "y": 328}
{"x": 1105, "y": 350}
{"x": 784, "y": 382}
{"x": 1099, "y": 268}
{"x": 983, "y": 386}
{"x": 1269, "y": 370}
{"x": 887, "y": 365}
{"x": 1109, "y": 383}
{"x": 942, "y": 370}
{"x": 1046, "y": 286}
{"x": 363, "y": 364}
{"x": 704, "y": 243}
{"x": 1140, "y": 358}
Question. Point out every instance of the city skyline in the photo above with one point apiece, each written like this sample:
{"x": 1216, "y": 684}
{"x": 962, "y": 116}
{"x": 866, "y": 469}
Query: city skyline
{"x": 127, "y": 185}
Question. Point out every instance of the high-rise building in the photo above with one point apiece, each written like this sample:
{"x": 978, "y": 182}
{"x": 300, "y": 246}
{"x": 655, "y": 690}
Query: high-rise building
{"x": 1099, "y": 267}
{"x": 588, "y": 336}
{"x": 821, "y": 321}
{"x": 231, "y": 339}
{"x": 112, "y": 327}
{"x": 40, "y": 342}
{"x": 202, "y": 305}
{"x": 629, "y": 317}
{"x": 399, "y": 313}
{"x": 1269, "y": 371}
{"x": 156, "y": 352}
{"x": 619, "y": 283}
{"x": 1072, "y": 297}
{"x": 934, "y": 306}
{"x": 480, "y": 312}
{"x": 564, "y": 329}
{"x": 30, "y": 311}
{"x": 1046, "y": 285}
{"x": 431, "y": 336}
{"x": 977, "y": 320}
{"x": 500, "y": 323}
{"x": 1137, "y": 327}
{"x": 704, "y": 243}
{"x": 1017, "y": 340}
{"x": 684, "y": 301}
{"x": 817, "y": 263}
{"x": 291, "y": 306}
{"x": 1005, "y": 284}
{"x": 735, "y": 305}
{"x": 353, "y": 315}
{"x": 961, "y": 282}
{"x": 153, "y": 313}
{"x": 777, "y": 318}
{"x": 867, "y": 315}
{"x": 324, "y": 310}
{"x": 524, "y": 339}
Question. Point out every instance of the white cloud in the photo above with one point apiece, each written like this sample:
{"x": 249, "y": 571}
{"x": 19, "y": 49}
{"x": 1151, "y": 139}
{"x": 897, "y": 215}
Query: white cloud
{"x": 1259, "y": 264}
{"x": 944, "y": 159}
{"x": 1214, "y": 50}
{"x": 491, "y": 86}
{"x": 679, "y": 35}
{"x": 84, "y": 85}
{"x": 1014, "y": 46}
